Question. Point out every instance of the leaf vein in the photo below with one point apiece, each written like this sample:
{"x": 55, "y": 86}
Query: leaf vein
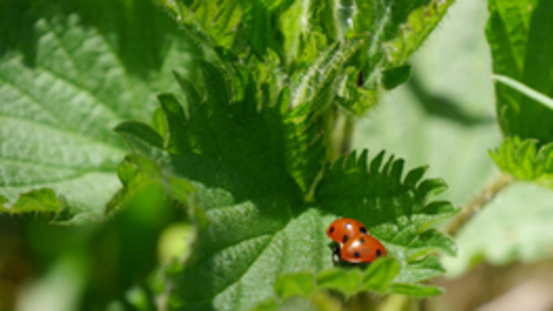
{"x": 74, "y": 134}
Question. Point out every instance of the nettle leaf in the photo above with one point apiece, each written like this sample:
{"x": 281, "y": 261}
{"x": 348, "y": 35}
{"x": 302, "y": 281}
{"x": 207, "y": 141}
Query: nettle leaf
{"x": 398, "y": 212}
{"x": 69, "y": 73}
{"x": 317, "y": 85}
{"x": 525, "y": 160}
{"x": 252, "y": 174}
{"x": 394, "y": 30}
{"x": 519, "y": 221}
{"x": 297, "y": 31}
{"x": 236, "y": 24}
{"x": 520, "y": 34}
{"x": 377, "y": 277}
{"x": 423, "y": 17}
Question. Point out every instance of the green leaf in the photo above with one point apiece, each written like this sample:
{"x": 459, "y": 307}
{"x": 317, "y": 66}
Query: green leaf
{"x": 294, "y": 27}
{"x": 393, "y": 31}
{"x": 317, "y": 86}
{"x": 421, "y": 269}
{"x": 345, "y": 281}
{"x": 525, "y": 161}
{"x": 395, "y": 76}
{"x": 251, "y": 190}
{"x": 388, "y": 30}
{"x": 380, "y": 275}
{"x": 137, "y": 174}
{"x": 139, "y": 170}
{"x": 380, "y": 200}
{"x": 132, "y": 130}
{"x": 39, "y": 200}
{"x": 520, "y": 35}
{"x": 69, "y": 73}
{"x": 298, "y": 284}
{"x": 413, "y": 23}
{"x": 416, "y": 290}
{"x": 377, "y": 277}
{"x": 519, "y": 221}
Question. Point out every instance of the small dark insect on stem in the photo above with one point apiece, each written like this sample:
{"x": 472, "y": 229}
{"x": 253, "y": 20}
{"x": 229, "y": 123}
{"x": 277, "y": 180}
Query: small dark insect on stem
{"x": 360, "y": 80}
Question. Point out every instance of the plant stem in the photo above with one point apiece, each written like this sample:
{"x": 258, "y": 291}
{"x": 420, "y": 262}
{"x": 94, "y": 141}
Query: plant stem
{"x": 347, "y": 135}
{"x": 329, "y": 124}
{"x": 477, "y": 203}
{"x": 526, "y": 90}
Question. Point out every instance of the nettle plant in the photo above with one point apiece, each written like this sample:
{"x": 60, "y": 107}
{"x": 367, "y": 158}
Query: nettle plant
{"x": 250, "y": 133}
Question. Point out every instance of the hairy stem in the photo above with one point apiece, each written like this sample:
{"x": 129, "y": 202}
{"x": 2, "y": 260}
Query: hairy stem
{"x": 347, "y": 135}
{"x": 329, "y": 124}
{"x": 477, "y": 203}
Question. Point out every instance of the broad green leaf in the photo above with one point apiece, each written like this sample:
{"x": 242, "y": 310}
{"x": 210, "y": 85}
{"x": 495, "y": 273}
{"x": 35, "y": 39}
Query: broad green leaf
{"x": 250, "y": 189}
{"x": 69, "y": 73}
{"x": 525, "y": 160}
{"x": 519, "y": 224}
{"x": 521, "y": 35}
{"x": 377, "y": 196}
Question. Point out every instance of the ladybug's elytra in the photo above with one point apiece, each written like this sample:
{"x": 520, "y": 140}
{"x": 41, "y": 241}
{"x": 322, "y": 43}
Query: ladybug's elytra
{"x": 345, "y": 228}
{"x": 362, "y": 248}
{"x": 355, "y": 245}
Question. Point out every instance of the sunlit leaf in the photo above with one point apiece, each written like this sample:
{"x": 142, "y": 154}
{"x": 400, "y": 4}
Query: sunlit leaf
{"x": 66, "y": 79}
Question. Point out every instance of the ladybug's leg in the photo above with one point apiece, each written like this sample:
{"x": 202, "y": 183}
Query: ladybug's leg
{"x": 336, "y": 258}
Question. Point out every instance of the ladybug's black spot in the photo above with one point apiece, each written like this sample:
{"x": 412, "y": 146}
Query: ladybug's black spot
{"x": 362, "y": 240}
{"x": 378, "y": 253}
{"x": 356, "y": 254}
{"x": 331, "y": 229}
{"x": 345, "y": 239}
{"x": 348, "y": 225}
{"x": 363, "y": 230}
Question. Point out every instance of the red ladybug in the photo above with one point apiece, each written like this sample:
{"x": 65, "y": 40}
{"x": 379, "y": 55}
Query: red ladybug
{"x": 344, "y": 229}
{"x": 362, "y": 248}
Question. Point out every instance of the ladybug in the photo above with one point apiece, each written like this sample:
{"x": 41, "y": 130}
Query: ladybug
{"x": 353, "y": 243}
{"x": 362, "y": 249}
{"x": 344, "y": 229}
